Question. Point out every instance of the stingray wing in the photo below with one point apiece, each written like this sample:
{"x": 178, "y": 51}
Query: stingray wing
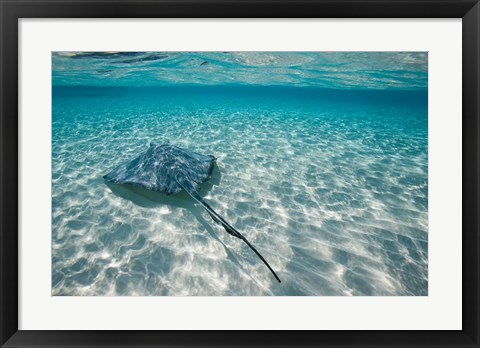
{"x": 161, "y": 166}
{"x": 143, "y": 171}
{"x": 192, "y": 167}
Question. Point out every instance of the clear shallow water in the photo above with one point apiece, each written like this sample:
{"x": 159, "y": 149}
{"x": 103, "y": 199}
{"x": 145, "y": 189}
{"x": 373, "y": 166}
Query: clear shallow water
{"x": 329, "y": 185}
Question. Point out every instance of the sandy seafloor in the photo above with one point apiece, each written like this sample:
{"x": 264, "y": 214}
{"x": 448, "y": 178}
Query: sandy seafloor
{"x": 330, "y": 186}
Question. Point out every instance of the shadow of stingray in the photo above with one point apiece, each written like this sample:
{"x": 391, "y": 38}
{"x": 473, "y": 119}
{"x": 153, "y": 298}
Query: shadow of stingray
{"x": 151, "y": 199}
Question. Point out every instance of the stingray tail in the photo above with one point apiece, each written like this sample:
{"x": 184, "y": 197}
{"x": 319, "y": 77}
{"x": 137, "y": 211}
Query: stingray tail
{"x": 219, "y": 220}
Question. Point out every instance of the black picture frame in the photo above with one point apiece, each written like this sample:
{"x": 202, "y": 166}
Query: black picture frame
{"x": 13, "y": 10}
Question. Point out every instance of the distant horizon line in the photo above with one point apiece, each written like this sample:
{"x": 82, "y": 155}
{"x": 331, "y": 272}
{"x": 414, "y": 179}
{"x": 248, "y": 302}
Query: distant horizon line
{"x": 187, "y": 85}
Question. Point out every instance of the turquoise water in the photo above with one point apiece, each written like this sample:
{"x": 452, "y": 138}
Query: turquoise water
{"x": 322, "y": 163}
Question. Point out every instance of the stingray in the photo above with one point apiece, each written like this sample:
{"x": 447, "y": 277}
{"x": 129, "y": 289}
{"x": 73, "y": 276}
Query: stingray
{"x": 168, "y": 169}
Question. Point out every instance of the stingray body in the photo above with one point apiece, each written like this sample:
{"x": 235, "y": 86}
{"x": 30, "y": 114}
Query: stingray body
{"x": 169, "y": 169}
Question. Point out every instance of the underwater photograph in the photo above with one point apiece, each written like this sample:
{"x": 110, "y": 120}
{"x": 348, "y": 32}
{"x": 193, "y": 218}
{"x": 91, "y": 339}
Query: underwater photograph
{"x": 239, "y": 173}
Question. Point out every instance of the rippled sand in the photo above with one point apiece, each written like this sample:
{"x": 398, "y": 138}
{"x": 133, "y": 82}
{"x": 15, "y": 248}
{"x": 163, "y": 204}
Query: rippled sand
{"x": 332, "y": 190}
